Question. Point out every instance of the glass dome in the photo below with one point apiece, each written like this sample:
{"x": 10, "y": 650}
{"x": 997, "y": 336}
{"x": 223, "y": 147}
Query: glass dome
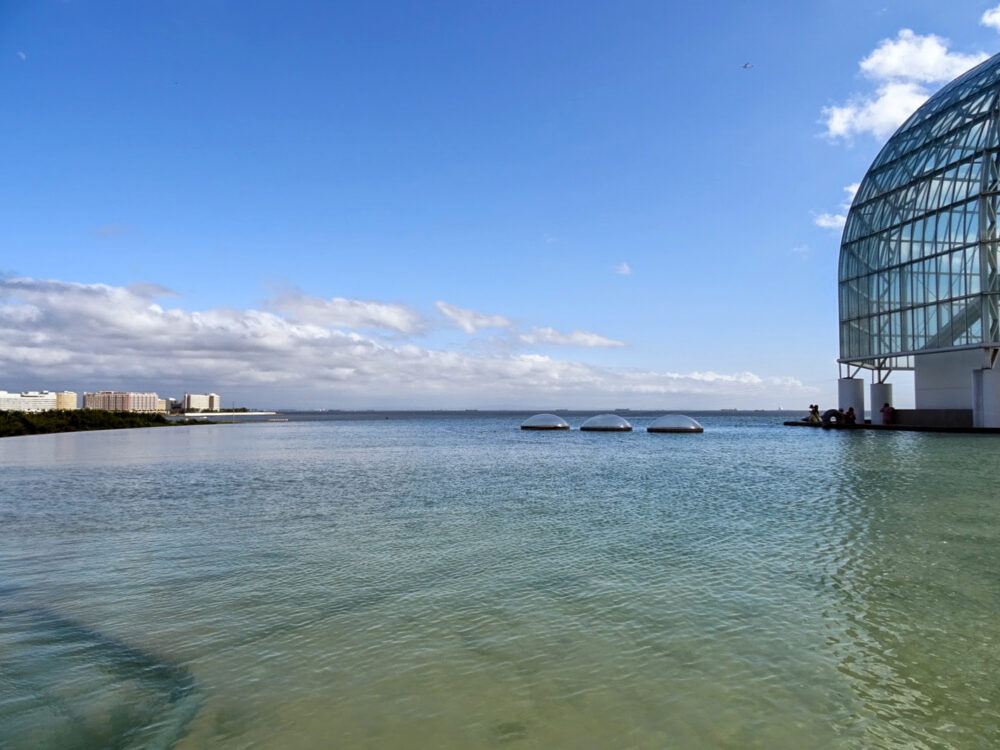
{"x": 918, "y": 258}
{"x": 606, "y": 423}
{"x": 544, "y": 422}
{"x": 674, "y": 423}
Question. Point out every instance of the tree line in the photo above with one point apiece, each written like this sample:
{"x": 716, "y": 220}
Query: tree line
{"x": 14, "y": 423}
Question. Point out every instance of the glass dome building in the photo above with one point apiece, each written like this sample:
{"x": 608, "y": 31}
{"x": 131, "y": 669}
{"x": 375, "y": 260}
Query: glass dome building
{"x": 918, "y": 280}
{"x": 606, "y": 423}
{"x": 675, "y": 423}
{"x": 545, "y": 422}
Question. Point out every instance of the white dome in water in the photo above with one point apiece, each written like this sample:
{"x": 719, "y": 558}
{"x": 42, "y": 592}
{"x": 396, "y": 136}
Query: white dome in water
{"x": 545, "y": 422}
{"x": 674, "y": 423}
{"x": 606, "y": 423}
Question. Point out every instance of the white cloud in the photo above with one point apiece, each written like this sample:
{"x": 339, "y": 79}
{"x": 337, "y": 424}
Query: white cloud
{"x": 801, "y": 250}
{"x": 902, "y": 68}
{"x": 346, "y": 313}
{"x": 82, "y": 336}
{"x": 878, "y": 115}
{"x": 22, "y": 55}
{"x": 574, "y": 338}
{"x": 830, "y": 221}
{"x": 471, "y": 321}
{"x": 991, "y": 18}
{"x": 623, "y": 269}
{"x": 912, "y": 57}
{"x": 837, "y": 221}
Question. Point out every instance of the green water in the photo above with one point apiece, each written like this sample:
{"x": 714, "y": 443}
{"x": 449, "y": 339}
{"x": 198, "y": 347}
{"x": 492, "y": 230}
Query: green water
{"x": 458, "y": 583}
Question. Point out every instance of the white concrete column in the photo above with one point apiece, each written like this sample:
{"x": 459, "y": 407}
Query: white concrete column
{"x": 881, "y": 393}
{"x": 941, "y": 381}
{"x": 851, "y": 392}
{"x": 986, "y": 398}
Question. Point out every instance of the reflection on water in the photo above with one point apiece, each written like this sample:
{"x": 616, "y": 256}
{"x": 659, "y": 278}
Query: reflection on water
{"x": 461, "y": 583}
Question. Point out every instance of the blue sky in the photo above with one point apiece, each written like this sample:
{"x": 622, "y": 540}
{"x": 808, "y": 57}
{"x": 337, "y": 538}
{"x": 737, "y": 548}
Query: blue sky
{"x": 467, "y": 205}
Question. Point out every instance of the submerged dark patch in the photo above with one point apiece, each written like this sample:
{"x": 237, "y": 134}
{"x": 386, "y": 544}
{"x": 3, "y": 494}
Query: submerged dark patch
{"x": 79, "y": 688}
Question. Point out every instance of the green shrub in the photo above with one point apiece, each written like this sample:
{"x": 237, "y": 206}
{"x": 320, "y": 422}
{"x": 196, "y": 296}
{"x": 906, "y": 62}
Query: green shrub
{"x": 37, "y": 423}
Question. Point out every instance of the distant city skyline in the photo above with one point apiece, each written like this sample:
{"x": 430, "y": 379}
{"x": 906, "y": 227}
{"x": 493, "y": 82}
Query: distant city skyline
{"x": 325, "y": 205}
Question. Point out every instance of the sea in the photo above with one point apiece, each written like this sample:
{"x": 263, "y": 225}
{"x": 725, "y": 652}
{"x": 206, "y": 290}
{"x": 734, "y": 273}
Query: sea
{"x": 451, "y": 581}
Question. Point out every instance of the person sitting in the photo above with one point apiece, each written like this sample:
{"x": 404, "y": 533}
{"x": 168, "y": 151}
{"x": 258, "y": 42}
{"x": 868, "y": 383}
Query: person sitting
{"x": 813, "y": 417}
{"x": 850, "y": 417}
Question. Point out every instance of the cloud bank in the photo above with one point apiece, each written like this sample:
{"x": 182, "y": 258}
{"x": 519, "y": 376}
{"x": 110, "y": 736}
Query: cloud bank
{"x": 59, "y": 334}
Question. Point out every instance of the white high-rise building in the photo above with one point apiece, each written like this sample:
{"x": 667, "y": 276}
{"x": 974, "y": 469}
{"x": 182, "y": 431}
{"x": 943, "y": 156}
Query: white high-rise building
{"x": 202, "y": 402}
{"x": 28, "y": 401}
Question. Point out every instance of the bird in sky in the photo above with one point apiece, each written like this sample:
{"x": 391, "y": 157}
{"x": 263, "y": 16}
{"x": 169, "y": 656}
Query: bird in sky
{"x": 746, "y": 66}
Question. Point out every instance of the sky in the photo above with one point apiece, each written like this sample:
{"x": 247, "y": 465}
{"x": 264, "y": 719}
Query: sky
{"x": 448, "y": 204}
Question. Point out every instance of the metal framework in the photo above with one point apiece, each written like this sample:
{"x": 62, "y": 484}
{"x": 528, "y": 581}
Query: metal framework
{"x": 918, "y": 259}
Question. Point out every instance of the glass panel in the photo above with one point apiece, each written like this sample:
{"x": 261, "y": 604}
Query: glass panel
{"x": 958, "y": 314}
{"x": 929, "y": 228}
{"x": 957, "y": 284}
{"x": 930, "y": 280}
{"x": 918, "y": 323}
{"x": 930, "y": 315}
{"x": 942, "y": 277}
{"x": 972, "y": 270}
{"x": 942, "y": 228}
{"x": 971, "y": 223}
{"x": 916, "y": 284}
{"x": 976, "y": 330}
{"x": 918, "y": 235}
{"x": 944, "y": 315}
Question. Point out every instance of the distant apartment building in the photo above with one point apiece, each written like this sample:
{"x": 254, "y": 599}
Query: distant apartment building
{"x": 28, "y": 401}
{"x": 106, "y": 400}
{"x": 120, "y": 401}
{"x": 202, "y": 402}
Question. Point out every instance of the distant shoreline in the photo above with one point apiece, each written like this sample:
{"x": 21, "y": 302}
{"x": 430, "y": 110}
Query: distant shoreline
{"x": 200, "y": 414}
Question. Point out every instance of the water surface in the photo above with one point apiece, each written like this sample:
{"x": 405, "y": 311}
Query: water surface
{"x": 454, "y": 582}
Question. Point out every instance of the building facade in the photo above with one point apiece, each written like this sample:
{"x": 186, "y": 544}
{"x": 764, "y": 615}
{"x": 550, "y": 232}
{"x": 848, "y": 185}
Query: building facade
{"x": 918, "y": 275}
{"x": 202, "y": 402}
{"x": 66, "y": 400}
{"x": 120, "y": 401}
{"x": 28, "y": 401}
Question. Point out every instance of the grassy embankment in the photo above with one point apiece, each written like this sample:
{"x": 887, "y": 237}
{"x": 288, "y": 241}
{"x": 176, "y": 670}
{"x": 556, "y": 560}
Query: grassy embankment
{"x": 37, "y": 423}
